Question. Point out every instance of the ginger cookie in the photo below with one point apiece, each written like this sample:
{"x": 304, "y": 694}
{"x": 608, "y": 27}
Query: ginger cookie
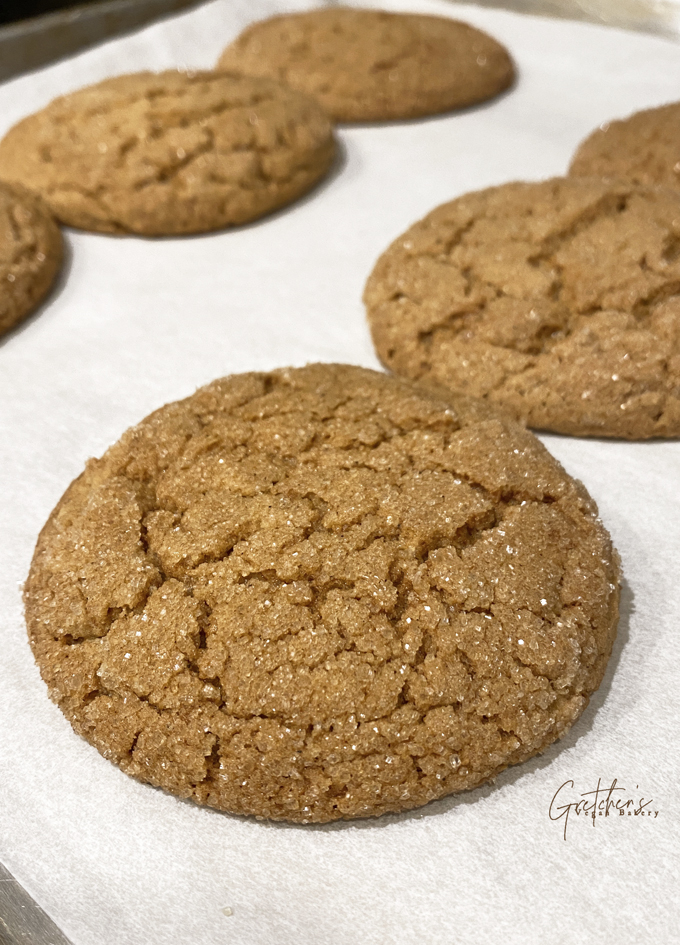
{"x": 644, "y": 148}
{"x": 558, "y": 300}
{"x": 322, "y": 593}
{"x": 30, "y": 254}
{"x": 368, "y": 65}
{"x": 170, "y": 153}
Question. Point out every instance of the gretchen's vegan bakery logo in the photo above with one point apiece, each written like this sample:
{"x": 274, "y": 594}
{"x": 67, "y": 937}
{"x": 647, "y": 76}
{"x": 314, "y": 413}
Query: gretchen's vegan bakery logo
{"x": 614, "y": 801}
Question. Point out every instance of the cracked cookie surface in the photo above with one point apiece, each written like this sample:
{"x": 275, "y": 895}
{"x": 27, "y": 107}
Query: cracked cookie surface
{"x": 369, "y": 65}
{"x": 559, "y": 300}
{"x": 322, "y": 593}
{"x": 644, "y": 148}
{"x": 31, "y": 253}
{"x": 170, "y": 153}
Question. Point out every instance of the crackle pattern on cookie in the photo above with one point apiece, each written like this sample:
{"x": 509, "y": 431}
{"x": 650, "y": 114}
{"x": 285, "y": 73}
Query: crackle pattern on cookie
{"x": 369, "y": 65}
{"x": 644, "y": 148}
{"x": 30, "y": 254}
{"x": 322, "y": 593}
{"x": 559, "y": 300}
{"x": 170, "y": 153}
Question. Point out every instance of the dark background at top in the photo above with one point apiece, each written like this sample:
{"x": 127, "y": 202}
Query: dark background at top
{"x": 12, "y": 10}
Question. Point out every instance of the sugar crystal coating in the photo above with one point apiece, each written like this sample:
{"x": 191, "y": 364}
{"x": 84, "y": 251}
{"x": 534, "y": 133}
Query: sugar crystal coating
{"x": 170, "y": 153}
{"x": 30, "y": 253}
{"x": 644, "y": 149}
{"x": 371, "y": 65}
{"x": 322, "y": 593}
{"x": 559, "y": 301}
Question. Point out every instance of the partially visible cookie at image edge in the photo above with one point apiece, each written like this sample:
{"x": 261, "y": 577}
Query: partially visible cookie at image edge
{"x": 644, "y": 148}
{"x": 558, "y": 300}
{"x": 170, "y": 153}
{"x": 322, "y": 593}
{"x": 370, "y": 65}
{"x": 31, "y": 253}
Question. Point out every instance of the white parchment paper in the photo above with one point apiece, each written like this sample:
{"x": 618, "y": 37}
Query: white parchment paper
{"x": 136, "y": 323}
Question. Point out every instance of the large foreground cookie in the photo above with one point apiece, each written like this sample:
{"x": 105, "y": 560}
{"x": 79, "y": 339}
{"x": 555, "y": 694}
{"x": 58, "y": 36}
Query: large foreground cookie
{"x": 368, "y": 65}
{"x": 170, "y": 153}
{"x": 322, "y": 593}
{"x": 30, "y": 254}
{"x": 644, "y": 148}
{"x": 559, "y": 300}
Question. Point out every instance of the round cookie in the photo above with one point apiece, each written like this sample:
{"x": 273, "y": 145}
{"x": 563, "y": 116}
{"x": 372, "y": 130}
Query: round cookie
{"x": 30, "y": 254}
{"x": 368, "y": 65}
{"x": 644, "y": 148}
{"x": 558, "y": 300}
{"x": 170, "y": 153}
{"x": 322, "y": 593}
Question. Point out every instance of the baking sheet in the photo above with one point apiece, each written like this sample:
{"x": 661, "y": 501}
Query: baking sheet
{"x": 135, "y": 323}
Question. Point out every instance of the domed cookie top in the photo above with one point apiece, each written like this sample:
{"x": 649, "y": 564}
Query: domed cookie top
{"x": 644, "y": 148}
{"x": 368, "y": 65}
{"x": 322, "y": 593}
{"x": 559, "y": 300}
{"x": 30, "y": 253}
{"x": 170, "y": 153}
